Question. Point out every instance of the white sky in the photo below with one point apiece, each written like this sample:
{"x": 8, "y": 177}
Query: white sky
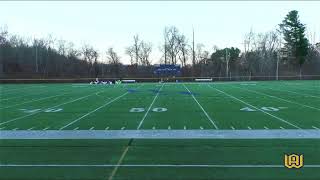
{"x": 105, "y": 24}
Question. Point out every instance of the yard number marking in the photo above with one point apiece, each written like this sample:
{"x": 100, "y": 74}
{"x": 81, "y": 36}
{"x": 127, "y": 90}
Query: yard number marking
{"x": 157, "y": 109}
{"x": 45, "y": 110}
{"x": 271, "y": 109}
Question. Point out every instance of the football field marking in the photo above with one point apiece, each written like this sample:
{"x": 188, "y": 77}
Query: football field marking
{"x": 292, "y": 102}
{"x": 114, "y": 171}
{"x": 145, "y": 115}
{"x": 91, "y": 128}
{"x": 281, "y": 127}
{"x": 21, "y": 117}
{"x": 76, "y": 128}
{"x": 232, "y": 128}
{"x": 266, "y": 127}
{"x": 315, "y": 127}
{"x": 30, "y": 128}
{"x": 93, "y": 111}
{"x": 265, "y": 112}
{"x": 209, "y": 118}
{"x": 249, "y": 128}
{"x": 46, "y": 128}
{"x": 106, "y": 128}
{"x": 159, "y": 165}
{"x": 308, "y": 95}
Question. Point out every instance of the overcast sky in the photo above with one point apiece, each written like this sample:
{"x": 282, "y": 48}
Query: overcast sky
{"x": 105, "y": 24}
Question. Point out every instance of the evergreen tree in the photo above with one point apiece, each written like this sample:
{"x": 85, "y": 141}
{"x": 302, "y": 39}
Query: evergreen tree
{"x": 296, "y": 42}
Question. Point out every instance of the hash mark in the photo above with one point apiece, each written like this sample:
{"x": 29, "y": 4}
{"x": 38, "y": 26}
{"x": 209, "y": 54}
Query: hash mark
{"x": 123, "y": 128}
{"x": 281, "y": 127}
{"x": 46, "y": 128}
{"x": 266, "y": 127}
{"x": 76, "y": 128}
{"x": 107, "y": 128}
{"x": 91, "y": 128}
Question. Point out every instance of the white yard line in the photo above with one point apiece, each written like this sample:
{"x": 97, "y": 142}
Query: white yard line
{"x": 106, "y": 128}
{"x": 21, "y": 117}
{"x": 123, "y": 128}
{"x": 93, "y": 111}
{"x": 91, "y": 128}
{"x": 281, "y": 127}
{"x": 158, "y": 165}
{"x": 276, "y": 117}
{"x": 292, "y": 102}
{"x": 308, "y": 95}
{"x": 114, "y": 171}
{"x": 249, "y": 128}
{"x": 145, "y": 115}
{"x": 76, "y": 128}
{"x": 266, "y": 127}
{"x": 31, "y": 128}
{"x": 232, "y": 128}
{"x": 209, "y": 118}
{"x": 33, "y": 101}
{"x": 46, "y": 128}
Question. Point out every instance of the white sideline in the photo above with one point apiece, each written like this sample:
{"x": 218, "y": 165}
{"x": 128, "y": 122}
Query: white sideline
{"x": 21, "y": 117}
{"x": 276, "y": 117}
{"x": 292, "y": 102}
{"x": 145, "y": 115}
{"x": 160, "y": 165}
{"x": 209, "y": 118}
{"x": 163, "y": 134}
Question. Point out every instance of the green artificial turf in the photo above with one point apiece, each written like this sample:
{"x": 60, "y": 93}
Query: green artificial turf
{"x": 228, "y": 106}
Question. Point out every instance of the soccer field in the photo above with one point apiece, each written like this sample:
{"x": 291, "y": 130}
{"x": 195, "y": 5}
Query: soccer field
{"x": 231, "y": 107}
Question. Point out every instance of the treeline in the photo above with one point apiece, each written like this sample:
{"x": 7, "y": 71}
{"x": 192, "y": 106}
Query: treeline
{"x": 284, "y": 51}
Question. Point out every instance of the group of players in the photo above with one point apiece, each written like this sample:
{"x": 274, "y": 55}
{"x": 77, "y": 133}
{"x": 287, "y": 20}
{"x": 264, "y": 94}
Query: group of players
{"x": 97, "y": 81}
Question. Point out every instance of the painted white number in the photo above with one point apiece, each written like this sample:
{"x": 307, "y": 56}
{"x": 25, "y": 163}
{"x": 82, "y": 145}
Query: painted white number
{"x": 53, "y": 110}
{"x": 159, "y": 109}
{"x": 30, "y": 110}
{"x": 136, "y": 110}
{"x": 269, "y": 109}
{"x": 37, "y": 110}
{"x": 247, "y": 109}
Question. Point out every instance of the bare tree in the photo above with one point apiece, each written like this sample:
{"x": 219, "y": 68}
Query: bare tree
{"x": 144, "y": 54}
